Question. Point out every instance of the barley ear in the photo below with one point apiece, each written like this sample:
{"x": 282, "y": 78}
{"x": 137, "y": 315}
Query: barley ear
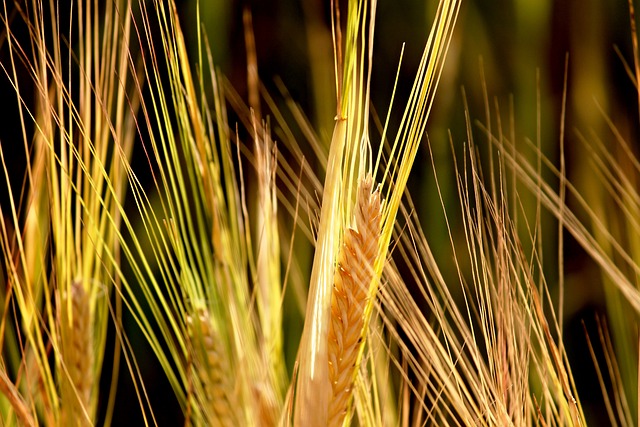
{"x": 214, "y": 392}
{"x": 352, "y": 278}
{"x": 77, "y": 357}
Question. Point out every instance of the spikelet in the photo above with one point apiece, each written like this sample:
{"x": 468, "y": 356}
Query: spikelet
{"x": 77, "y": 357}
{"x": 216, "y": 402}
{"x": 353, "y": 275}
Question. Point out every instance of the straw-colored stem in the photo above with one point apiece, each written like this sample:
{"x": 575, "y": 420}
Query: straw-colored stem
{"x": 352, "y": 278}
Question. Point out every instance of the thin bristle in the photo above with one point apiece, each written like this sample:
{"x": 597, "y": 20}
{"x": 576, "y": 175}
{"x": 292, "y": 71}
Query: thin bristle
{"x": 211, "y": 370}
{"x": 353, "y": 275}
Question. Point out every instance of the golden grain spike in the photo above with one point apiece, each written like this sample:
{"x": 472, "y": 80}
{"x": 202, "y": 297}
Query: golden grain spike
{"x": 353, "y": 275}
{"x": 78, "y": 357}
{"x": 212, "y": 371}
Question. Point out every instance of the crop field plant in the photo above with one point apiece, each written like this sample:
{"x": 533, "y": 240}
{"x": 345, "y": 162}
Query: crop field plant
{"x": 192, "y": 236}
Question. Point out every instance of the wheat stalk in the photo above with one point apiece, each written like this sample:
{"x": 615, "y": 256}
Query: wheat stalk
{"x": 77, "y": 356}
{"x": 211, "y": 370}
{"x": 353, "y": 275}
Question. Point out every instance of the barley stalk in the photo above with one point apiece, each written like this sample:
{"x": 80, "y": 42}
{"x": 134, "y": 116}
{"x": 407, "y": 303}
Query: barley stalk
{"x": 353, "y": 275}
{"x": 77, "y": 357}
{"x": 212, "y": 372}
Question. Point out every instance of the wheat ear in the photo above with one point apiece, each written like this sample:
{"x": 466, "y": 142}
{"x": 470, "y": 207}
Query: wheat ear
{"x": 78, "y": 357}
{"x": 353, "y": 275}
{"x": 212, "y": 371}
